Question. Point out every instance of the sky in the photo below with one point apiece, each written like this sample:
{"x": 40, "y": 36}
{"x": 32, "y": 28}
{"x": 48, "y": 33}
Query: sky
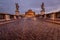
{"x": 24, "y": 5}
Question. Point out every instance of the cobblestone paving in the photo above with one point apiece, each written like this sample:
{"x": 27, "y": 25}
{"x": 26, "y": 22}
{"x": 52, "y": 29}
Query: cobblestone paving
{"x": 29, "y": 29}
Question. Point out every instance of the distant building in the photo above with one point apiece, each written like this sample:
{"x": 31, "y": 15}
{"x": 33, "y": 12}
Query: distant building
{"x": 30, "y": 13}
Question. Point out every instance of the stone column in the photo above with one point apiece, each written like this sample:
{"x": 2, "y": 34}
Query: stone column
{"x": 42, "y": 14}
{"x": 53, "y": 16}
{"x": 7, "y": 17}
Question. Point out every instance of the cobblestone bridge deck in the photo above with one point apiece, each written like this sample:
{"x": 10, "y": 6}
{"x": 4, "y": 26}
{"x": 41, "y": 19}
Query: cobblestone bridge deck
{"x": 29, "y": 29}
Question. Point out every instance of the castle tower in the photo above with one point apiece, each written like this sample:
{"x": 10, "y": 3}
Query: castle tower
{"x": 30, "y": 13}
{"x": 17, "y": 9}
{"x": 43, "y": 9}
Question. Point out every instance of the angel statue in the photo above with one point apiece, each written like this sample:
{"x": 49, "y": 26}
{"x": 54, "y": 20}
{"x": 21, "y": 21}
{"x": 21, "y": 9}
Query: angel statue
{"x": 17, "y": 6}
{"x": 42, "y": 6}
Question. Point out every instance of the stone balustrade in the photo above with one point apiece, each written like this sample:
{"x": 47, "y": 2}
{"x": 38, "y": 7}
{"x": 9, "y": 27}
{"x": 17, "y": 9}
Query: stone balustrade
{"x": 52, "y": 16}
{"x": 6, "y": 16}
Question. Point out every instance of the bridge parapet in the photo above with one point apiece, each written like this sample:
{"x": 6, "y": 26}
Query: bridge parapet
{"x": 52, "y": 16}
{"x": 6, "y": 16}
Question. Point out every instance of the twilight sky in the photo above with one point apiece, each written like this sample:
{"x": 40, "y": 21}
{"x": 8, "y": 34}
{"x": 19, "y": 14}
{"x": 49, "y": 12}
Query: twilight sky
{"x": 9, "y": 5}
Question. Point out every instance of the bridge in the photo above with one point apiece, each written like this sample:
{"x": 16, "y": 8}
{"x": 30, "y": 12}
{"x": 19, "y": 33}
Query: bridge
{"x": 52, "y": 17}
{"x": 30, "y": 26}
{"x": 40, "y": 27}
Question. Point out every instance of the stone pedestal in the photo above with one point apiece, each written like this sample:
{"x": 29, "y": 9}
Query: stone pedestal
{"x": 7, "y": 17}
{"x": 42, "y": 12}
{"x": 17, "y": 13}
